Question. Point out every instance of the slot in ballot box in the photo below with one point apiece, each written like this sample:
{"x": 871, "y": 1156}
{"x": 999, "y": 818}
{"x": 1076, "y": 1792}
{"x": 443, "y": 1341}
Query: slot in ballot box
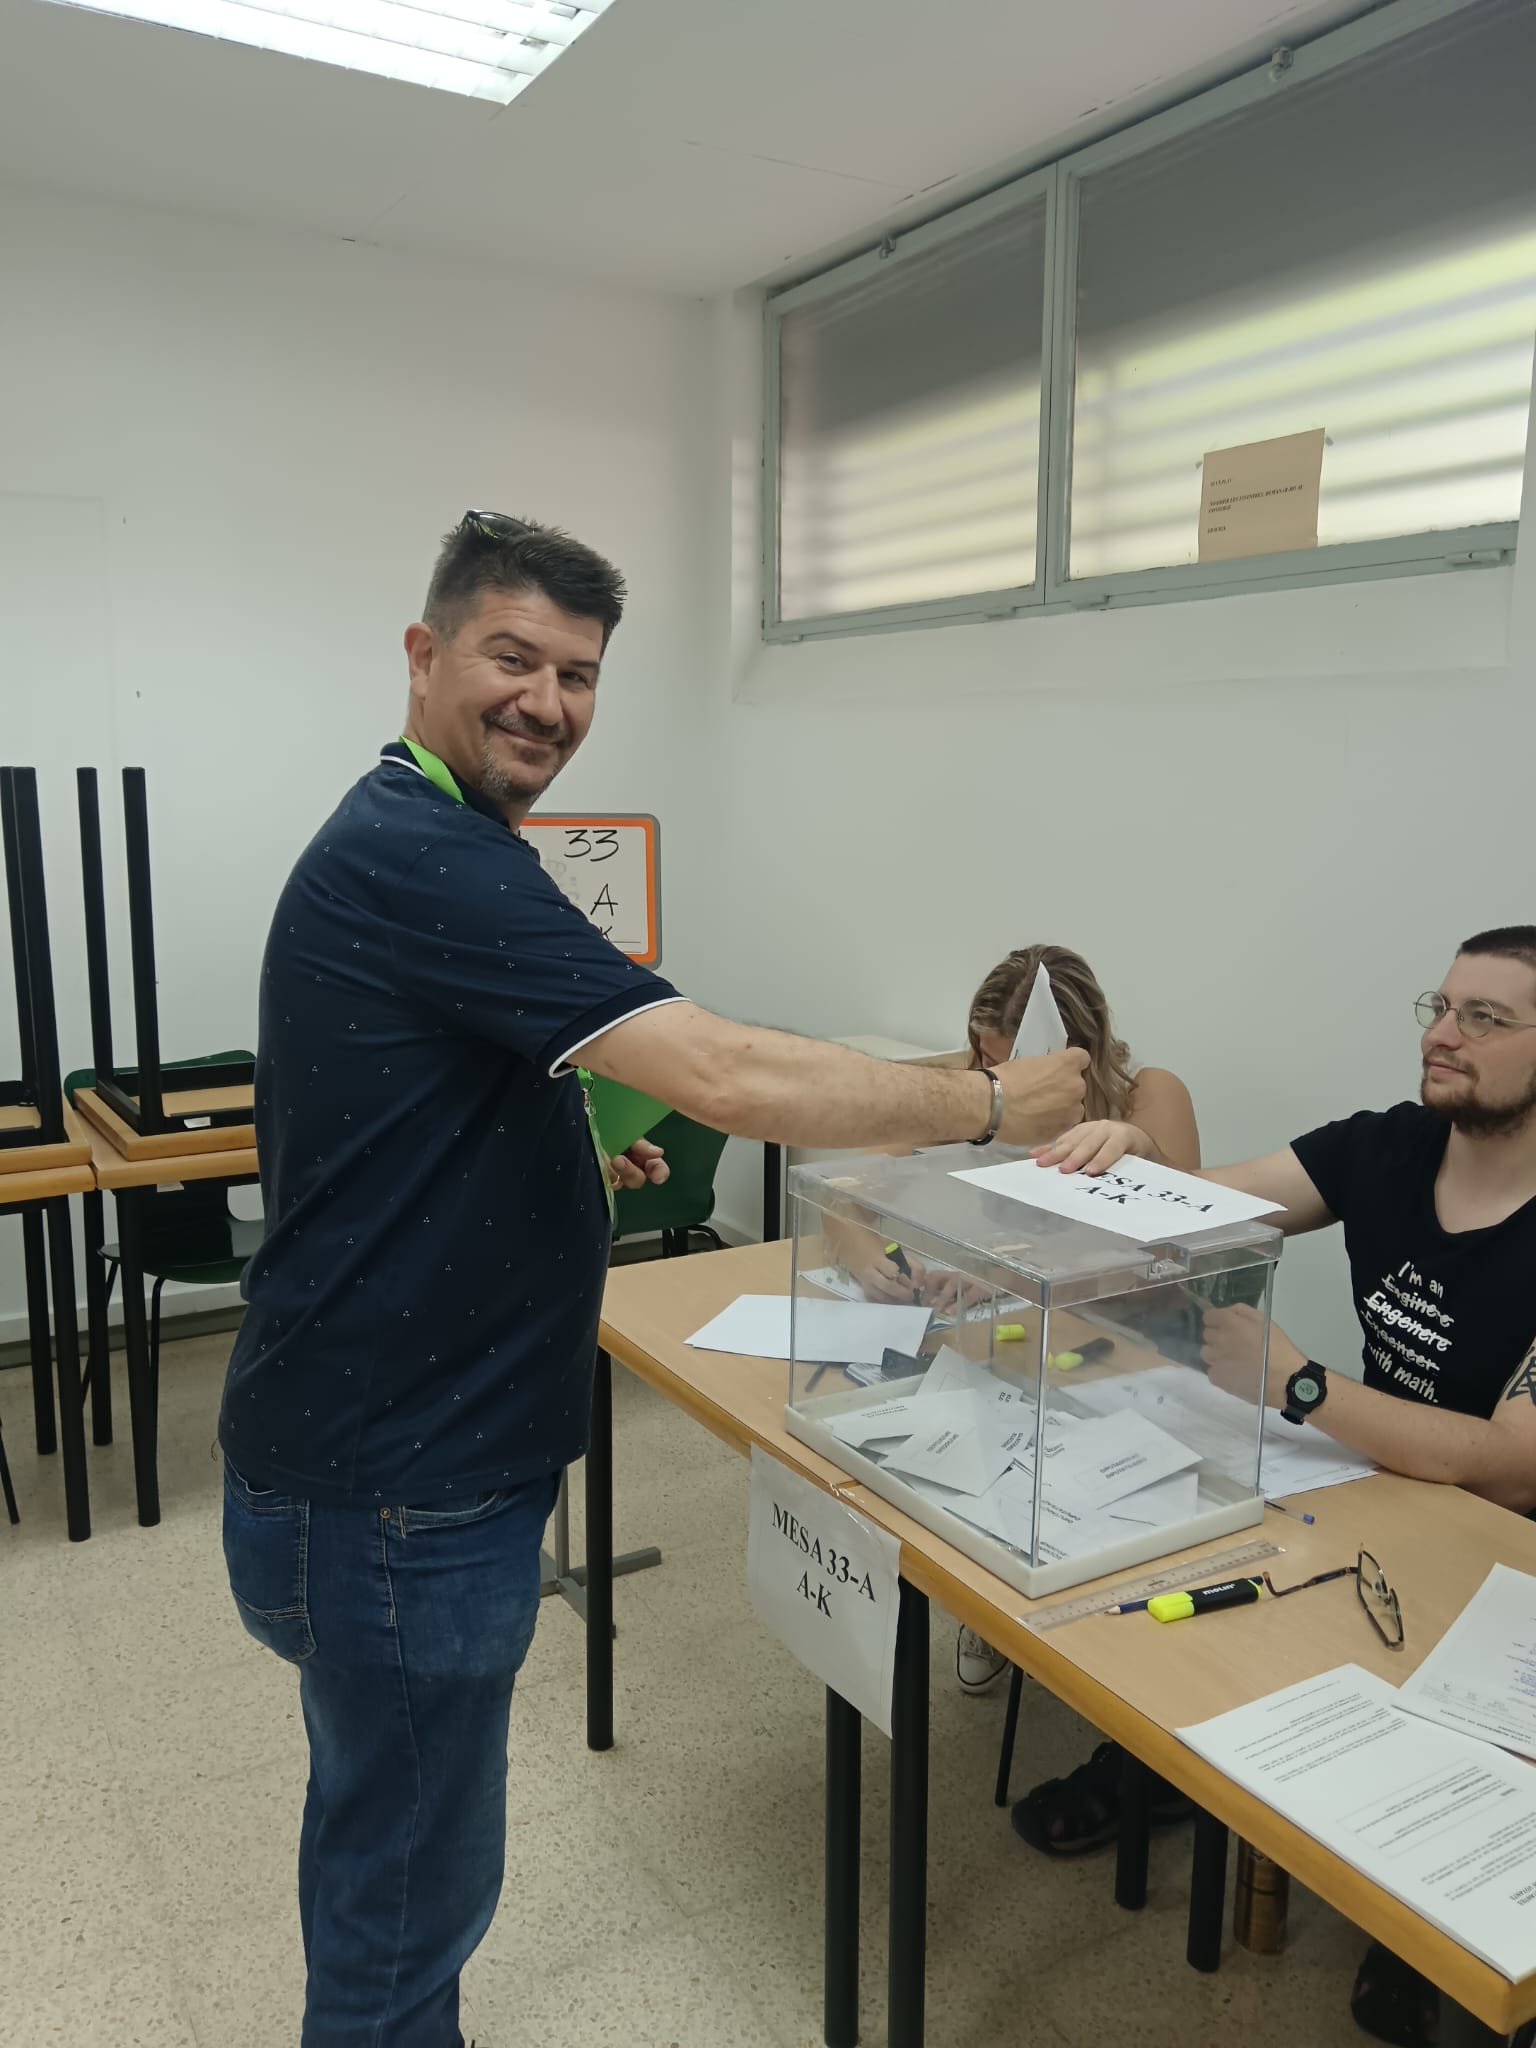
{"x": 1028, "y": 1386}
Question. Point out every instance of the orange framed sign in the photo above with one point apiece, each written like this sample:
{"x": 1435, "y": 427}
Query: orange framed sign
{"x": 609, "y": 865}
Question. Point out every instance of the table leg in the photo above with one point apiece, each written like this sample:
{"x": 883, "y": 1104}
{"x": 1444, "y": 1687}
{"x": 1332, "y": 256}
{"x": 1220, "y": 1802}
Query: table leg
{"x": 100, "y": 1349}
{"x": 1207, "y": 1893}
{"x": 773, "y": 1193}
{"x": 600, "y": 1560}
{"x": 141, "y": 1389}
{"x": 907, "y": 1963}
{"x": 1135, "y": 1833}
{"x": 66, "y": 1344}
{"x": 840, "y": 2026}
{"x": 39, "y": 1330}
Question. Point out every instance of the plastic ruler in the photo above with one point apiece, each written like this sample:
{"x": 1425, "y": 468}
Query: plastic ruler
{"x": 1199, "y": 1571}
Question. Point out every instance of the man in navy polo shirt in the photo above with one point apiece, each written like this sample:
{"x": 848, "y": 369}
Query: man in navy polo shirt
{"x": 414, "y": 1372}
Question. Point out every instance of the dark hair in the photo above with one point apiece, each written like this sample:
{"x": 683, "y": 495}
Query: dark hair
{"x": 998, "y": 1007}
{"x": 490, "y": 551}
{"x": 1506, "y": 941}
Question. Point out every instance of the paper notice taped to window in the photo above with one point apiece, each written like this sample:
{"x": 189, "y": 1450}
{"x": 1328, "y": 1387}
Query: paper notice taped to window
{"x": 1261, "y": 499}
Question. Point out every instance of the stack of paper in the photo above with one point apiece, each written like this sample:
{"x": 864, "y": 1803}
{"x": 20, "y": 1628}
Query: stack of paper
{"x": 1444, "y": 1823}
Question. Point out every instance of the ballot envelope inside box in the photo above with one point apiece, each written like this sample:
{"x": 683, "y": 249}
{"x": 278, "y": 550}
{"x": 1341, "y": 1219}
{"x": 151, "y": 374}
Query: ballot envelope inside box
{"x": 1027, "y": 1386}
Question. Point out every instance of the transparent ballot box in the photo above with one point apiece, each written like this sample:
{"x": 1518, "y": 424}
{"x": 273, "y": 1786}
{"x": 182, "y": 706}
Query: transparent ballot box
{"x": 1029, "y": 1387}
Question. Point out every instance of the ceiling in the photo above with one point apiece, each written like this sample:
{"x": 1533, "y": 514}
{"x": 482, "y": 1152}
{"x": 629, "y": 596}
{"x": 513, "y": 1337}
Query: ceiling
{"x": 689, "y": 145}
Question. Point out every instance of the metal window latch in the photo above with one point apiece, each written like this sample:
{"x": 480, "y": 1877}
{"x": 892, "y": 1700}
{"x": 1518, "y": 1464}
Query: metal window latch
{"x": 1280, "y": 63}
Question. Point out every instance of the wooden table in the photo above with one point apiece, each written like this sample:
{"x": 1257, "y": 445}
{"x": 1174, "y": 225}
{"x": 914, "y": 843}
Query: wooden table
{"x": 224, "y": 1153}
{"x": 1138, "y": 1684}
{"x": 40, "y": 1194}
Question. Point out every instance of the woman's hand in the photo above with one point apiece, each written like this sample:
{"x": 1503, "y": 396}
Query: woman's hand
{"x": 1095, "y": 1147}
{"x": 642, "y": 1164}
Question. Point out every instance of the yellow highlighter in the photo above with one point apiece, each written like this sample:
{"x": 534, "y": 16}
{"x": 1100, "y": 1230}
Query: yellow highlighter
{"x": 1202, "y": 1600}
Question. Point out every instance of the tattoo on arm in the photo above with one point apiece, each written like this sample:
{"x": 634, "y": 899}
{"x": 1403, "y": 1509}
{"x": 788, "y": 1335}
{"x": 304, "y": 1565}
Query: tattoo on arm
{"x": 1524, "y": 1381}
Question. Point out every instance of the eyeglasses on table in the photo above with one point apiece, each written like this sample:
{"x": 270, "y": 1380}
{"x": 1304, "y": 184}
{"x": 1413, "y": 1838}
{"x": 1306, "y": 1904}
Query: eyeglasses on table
{"x": 1382, "y": 1607}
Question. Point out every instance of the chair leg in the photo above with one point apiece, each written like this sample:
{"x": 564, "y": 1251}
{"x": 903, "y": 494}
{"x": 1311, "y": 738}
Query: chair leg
{"x": 98, "y": 1291}
{"x": 5, "y": 1481}
{"x": 1010, "y": 1731}
{"x": 39, "y": 1330}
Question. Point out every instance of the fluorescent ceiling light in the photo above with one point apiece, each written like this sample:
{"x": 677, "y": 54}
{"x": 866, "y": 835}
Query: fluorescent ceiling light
{"x": 484, "y": 49}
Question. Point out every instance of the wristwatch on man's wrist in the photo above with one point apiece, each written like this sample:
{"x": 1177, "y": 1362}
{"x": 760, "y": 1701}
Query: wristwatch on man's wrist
{"x": 995, "y": 1115}
{"x": 1305, "y": 1392}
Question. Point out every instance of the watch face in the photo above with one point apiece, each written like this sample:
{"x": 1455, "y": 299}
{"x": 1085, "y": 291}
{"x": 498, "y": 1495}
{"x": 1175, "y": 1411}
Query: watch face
{"x": 1305, "y": 1388}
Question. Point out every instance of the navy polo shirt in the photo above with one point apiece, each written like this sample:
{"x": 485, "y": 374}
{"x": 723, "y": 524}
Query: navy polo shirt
{"x": 423, "y": 1311}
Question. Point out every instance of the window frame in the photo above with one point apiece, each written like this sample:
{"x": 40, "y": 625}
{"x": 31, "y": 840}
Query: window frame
{"x": 1061, "y": 181}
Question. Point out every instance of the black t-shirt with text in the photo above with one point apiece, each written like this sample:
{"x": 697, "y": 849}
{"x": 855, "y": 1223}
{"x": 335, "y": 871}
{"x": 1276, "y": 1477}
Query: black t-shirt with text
{"x": 1446, "y": 1316}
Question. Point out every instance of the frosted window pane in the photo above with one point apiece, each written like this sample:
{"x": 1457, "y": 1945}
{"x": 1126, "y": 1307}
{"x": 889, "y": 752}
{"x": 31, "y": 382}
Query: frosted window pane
{"x": 909, "y": 411}
{"x": 1356, "y": 254}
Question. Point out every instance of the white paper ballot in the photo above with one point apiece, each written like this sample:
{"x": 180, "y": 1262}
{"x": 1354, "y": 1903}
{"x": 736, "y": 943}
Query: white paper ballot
{"x": 1444, "y": 1823}
{"x": 1040, "y": 1028}
{"x": 953, "y": 1373}
{"x": 1481, "y": 1675}
{"x": 1113, "y": 1455}
{"x": 965, "y": 1460}
{"x": 1170, "y": 1500}
{"x": 879, "y": 1422}
{"x": 1136, "y": 1199}
{"x": 830, "y": 1332}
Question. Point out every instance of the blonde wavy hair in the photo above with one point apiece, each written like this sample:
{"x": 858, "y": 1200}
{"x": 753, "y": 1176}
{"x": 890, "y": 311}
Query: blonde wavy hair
{"x": 998, "y": 1006}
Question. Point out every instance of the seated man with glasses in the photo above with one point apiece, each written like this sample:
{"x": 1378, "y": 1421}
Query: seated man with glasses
{"x": 1438, "y": 1203}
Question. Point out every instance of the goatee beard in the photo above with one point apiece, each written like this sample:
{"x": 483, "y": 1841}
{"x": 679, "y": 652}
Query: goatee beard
{"x": 1486, "y": 1119}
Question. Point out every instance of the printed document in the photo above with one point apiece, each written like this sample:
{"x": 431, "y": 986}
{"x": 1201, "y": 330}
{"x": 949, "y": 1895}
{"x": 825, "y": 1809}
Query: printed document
{"x": 1481, "y": 1675}
{"x": 1444, "y": 1823}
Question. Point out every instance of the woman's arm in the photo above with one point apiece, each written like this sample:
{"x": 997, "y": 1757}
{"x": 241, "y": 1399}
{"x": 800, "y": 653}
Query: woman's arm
{"x": 1160, "y": 1105}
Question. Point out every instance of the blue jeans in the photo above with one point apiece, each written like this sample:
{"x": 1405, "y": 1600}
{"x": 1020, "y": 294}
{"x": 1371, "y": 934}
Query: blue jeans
{"x": 408, "y": 1626}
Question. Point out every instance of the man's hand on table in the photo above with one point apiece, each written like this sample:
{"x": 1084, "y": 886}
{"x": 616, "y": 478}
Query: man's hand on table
{"x": 642, "y": 1164}
{"x": 1233, "y": 1345}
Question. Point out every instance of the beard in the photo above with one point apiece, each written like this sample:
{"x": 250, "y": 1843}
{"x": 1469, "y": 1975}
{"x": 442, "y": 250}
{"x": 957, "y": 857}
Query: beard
{"x": 1476, "y": 1119}
{"x": 504, "y": 785}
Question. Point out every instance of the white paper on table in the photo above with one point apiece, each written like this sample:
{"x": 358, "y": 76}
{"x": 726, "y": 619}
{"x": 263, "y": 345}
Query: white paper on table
{"x": 1219, "y": 1427}
{"x": 1444, "y": 1823}
{"x": 1113, "y": 1455}
{"x": 1041, "y": 1030}
{"x": 1136, "y": 1199}
{"x": 829, "y": 1332}
{"x": 1480, "y": 1677}
{"x": 965, "y": 1460}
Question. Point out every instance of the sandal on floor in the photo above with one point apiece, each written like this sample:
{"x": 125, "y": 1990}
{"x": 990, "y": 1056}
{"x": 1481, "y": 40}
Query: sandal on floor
{"x": 1391, "y": 2002}
{"x": 1075, "y": 1815}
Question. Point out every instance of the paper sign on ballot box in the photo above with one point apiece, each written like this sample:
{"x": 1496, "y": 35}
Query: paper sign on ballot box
{"x": 826, "y": 1581}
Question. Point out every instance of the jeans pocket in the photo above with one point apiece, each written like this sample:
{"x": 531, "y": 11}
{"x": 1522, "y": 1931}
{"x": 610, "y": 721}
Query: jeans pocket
{"x": 266, "y": 1550}
{"x": 454, "y": 1518}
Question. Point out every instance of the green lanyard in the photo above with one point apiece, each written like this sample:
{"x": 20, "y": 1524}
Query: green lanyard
{"x": 440, "y": 776}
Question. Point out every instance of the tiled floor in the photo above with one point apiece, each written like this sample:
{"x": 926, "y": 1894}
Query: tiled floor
{"x": 665, "y": 1895}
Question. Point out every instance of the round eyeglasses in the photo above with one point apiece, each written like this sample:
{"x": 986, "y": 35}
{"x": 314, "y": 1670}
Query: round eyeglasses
{"x": 1473, "y": 1020}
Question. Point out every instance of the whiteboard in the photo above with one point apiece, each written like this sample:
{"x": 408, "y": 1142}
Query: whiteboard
{"x": 609, "y": 867}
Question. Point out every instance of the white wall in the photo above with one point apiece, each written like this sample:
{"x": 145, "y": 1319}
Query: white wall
{"x": 227, "y": 460}
{"x": 1267, "y": 821}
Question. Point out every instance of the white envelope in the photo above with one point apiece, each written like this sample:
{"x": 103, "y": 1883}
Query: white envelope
{"x": 1040, "y": 1028}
